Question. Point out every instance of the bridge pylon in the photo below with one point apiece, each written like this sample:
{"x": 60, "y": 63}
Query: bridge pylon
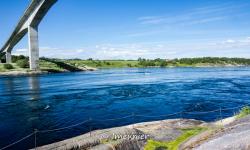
{"x": 33, "y": 47}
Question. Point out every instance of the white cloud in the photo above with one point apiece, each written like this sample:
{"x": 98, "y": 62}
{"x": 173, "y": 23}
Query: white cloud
{"x": 47, "y": 48}
{"x": 240, "y": 43}
{"x": 147, "y": 33}
{"x": 51, "y": 52}
{"x": 152, "y": 20}
{"x": 195, "y": 16}
{"x": 80, "y": 50}
{"x": 121, "y": 51}
{"x": 22, "y": 50}
{"x": 233, "y": 47}
{"x": 205, "y": 20}
{"x": 220, "y": 48}
{"x": 229, "y": 41}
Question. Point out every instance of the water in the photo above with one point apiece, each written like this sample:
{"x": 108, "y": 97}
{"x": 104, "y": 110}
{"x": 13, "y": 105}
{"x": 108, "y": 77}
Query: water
{"x": 59, "y": 100}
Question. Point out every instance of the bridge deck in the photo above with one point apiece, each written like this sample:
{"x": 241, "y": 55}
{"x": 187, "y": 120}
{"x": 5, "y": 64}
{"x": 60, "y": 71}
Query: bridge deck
{"x": 17, "y": 34}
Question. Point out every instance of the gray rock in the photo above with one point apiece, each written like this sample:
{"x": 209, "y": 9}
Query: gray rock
{"x": 131, "y": 137}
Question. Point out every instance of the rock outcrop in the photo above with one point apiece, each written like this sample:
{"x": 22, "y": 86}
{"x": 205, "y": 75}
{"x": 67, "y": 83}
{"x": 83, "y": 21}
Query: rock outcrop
{"x": 131, "y": 137}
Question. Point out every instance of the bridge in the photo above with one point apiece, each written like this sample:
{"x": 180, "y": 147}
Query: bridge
{"x": 28, "y": 23}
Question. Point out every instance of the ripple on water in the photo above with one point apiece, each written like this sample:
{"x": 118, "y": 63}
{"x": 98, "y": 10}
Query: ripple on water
{"x": 58, "y": 100}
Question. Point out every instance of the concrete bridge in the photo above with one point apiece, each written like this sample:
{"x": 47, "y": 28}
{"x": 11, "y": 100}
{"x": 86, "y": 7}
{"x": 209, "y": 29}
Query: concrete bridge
{"x": 28, "y": 24}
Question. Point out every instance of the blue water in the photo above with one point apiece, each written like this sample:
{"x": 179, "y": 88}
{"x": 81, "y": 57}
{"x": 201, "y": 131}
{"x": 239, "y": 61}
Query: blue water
{"x": 59, "y": 100}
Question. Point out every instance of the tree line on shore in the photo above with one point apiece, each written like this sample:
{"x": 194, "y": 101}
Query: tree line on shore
{"x": 22, "y": 62}
{"x": 194, "y": 61}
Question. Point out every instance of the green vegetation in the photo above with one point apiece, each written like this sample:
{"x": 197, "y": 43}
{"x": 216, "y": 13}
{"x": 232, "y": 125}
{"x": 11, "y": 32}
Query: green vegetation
{"x": 173, "y": 145}
{"x": 49, "y": 66}
{"x": 16, "y": 58}
{"x": 183, "y": 62}
{"x": 57, "y": 65}
{"x": 243, "y": 112}
{"x": 104, "y": 63}
{"x": 20, "y": 63}
{"x": 194, "y": 62}
{"x": 109, "y": 141}
{"x": 8, "y": 66}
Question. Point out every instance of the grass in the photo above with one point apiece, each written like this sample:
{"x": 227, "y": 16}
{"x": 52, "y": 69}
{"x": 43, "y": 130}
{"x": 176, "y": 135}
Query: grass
{"x": 137, "y": 64}
{"x": 45, "y": 65}
{"x": 109, "y": 141}
{"x": 2, "y": 68}
{"x": 61, "y": 65}
{"x": 8, "y": 66}
{"x": 54, "y": 65}
{"x": 243, "y": 112}
{"x": 104, "y": 63}
{"x": 173, "y": 145}
{"x": 15, "y": 68}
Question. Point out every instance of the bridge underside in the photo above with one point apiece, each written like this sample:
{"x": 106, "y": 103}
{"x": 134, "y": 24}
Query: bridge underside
{"x": 28, "y": 24}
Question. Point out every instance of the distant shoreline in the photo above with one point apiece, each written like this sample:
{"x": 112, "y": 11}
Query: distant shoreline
{"x": 144, "y": 63}
{"x": 27, "y": 72}
{"x": 52, "y": 65}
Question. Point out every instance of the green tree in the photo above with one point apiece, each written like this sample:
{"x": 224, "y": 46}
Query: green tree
{"x": 8, "y": 66}
{"x": 23, "y": 63}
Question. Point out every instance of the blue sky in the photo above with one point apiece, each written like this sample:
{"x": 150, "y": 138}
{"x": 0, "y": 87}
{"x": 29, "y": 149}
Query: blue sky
{"x": 128, "y": 29}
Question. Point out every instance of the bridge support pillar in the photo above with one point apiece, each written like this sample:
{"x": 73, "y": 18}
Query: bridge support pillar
{"x": 8, "y": 57}
{"x": 33, "y": 48}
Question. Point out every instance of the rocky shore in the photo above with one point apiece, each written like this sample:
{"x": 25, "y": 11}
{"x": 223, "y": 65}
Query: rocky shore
{"x": 27, "y": 72}
{"x": 164, "y": 134}
{"x": 21, "y": 73}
